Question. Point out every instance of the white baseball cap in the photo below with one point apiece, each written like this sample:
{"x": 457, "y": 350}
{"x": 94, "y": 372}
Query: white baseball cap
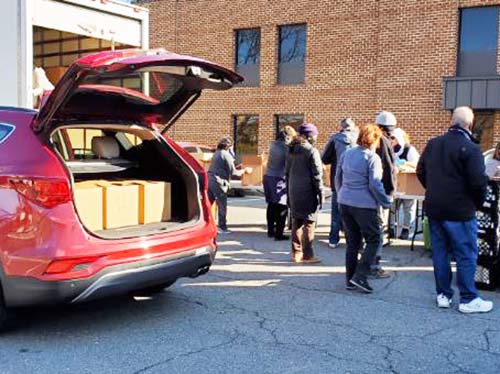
{"x": 386, "y": 119}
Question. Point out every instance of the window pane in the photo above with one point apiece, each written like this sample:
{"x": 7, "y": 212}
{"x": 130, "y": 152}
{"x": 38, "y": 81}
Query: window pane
{"x": 483, "y": 129}
{"x": 478, "y": 41}
{"x": 248, "y": 56}
{"x": 294, "y": 120}
{"x": 246, "y": 134}
{"x": 292, "y": 54}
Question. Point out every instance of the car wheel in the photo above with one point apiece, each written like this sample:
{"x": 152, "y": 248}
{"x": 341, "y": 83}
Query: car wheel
{"x": 154, "y": 289}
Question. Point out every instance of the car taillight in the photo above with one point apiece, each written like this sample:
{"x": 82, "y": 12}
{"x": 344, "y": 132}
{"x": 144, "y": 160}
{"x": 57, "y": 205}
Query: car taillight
{"x": 70, "y": 265}
{"x": 47, "y": 193}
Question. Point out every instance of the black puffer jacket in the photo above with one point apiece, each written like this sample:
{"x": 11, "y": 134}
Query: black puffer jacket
{"x": 452, "y": 170}
{"x": 304, "y": 179}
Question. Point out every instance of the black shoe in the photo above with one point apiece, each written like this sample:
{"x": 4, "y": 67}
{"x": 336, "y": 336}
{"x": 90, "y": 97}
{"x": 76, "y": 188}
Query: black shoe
{"x": 361, "y": 285}
{"x": 270, "y": 234}
{"x": 405, "y": 234}
{"x": 350, "y": 287}
{"x": 282, "y": 237}
{"x": 379, "y": 274}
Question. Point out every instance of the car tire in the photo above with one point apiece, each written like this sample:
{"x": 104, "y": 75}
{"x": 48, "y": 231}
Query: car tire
{"x": 153, "y": 290}
{"x": 5, "y": 315}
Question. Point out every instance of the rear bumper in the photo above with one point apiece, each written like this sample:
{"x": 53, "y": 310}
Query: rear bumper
{"x": 114, "y": 280}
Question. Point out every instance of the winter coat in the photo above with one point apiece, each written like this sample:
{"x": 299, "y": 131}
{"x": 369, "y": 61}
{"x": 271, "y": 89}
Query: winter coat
{"x": 304, "y": 179}
{"x": 359, "y": 180}
{"x": 389, "y": 172}
{"x": 335, "y": 148}
{"x": 274, "y": 181}
{"x": 452, "y": 170}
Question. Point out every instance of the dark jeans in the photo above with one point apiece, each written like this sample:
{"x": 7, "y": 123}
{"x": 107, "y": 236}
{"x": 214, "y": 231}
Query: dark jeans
{"x": 458, "y": 240}
{"x": 335, "y": 221}
{"x": 359, "y": 224}
{"x": 382, "y": 215}
{"x": 302, "y": 237}
{"x": 216, "y": 193}
{"x": 276, "y": 219}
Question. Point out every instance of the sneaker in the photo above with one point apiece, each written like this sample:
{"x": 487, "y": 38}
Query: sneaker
{"x": 333, "y": 245}
{"x": 350, "y": 287}
{"x": 443, "y": 301}
{"x": 477, "y": 305}
{"x": 361, "y": 284}
{"x": 223, "y": 231}
{"x": 282, "y": 237}
{"x": 311, "y": 260}
{"x": 379, "y": 274}
{"x": 405, "y": 234}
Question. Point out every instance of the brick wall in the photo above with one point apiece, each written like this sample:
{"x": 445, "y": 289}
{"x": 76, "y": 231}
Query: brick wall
{"x": 362, "y": 56}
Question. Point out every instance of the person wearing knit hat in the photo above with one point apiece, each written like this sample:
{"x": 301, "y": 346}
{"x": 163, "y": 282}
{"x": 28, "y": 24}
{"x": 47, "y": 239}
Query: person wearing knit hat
{"x": 304, "y": 176}
{"x": 387, "y": 122}
{"x": 338, "y": 143}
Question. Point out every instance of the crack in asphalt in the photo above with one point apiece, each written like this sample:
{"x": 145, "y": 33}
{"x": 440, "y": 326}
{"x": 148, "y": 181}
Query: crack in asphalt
{"x": 188, "y": 354}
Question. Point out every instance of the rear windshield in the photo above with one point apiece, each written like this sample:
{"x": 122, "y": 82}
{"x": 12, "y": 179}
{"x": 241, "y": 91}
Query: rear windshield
{"x": 76, "y": 143}
{"x": 5, "y": 131}
{"x": 152, "y": 87}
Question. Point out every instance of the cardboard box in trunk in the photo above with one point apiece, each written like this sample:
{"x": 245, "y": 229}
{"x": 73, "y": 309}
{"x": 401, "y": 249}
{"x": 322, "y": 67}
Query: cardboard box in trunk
{"x": 89, "y": 204}
{"x": 120, "y": 204}
{"x": 155, "y": 203}
{"x": 409, "y": 184}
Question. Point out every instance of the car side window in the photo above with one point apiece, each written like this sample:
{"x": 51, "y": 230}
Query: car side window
{"x": 5, "y": 131}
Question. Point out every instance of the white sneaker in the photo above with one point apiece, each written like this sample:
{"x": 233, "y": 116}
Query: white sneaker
{"x": 477, "y": 305}
{"x": 443, "y": 301}
{"x": 223, "y": 232}
{"x": 333, "y": 245}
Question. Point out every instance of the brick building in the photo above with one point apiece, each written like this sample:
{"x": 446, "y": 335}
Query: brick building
{"x": 323, "y": 60}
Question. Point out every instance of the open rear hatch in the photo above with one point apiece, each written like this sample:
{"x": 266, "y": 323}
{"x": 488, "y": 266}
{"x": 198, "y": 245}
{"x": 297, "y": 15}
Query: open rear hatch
{"x": 117, "y": 96}
{"x": 140, "y": 86}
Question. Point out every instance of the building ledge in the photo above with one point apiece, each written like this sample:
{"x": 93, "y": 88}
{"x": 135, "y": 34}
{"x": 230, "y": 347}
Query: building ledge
{"x": 480, "y": 93}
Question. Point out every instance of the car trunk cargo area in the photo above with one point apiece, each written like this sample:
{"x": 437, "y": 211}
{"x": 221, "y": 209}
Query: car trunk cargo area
{"x": 127, "y": 181}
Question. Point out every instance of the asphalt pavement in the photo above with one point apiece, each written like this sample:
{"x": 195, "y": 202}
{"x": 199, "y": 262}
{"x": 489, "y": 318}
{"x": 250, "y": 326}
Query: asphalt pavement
{"x": 255, "y": 312}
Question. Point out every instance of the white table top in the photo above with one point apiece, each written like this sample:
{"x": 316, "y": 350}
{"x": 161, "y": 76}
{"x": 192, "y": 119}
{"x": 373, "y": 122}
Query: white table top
{"x": 403, "y": 196}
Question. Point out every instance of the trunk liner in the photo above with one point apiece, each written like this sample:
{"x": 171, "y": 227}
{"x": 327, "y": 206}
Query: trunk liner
{"x": 143, "y": 230}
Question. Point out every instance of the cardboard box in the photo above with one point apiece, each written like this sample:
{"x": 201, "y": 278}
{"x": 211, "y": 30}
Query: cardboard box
{"x": 326, "y": 175}
{"x": 409, "y": 184}
{"x": 256, "y": 162}
{"x": 155, "y": 203}
{"x": 89, "y": 204}
{"x": 120, "y": 204}
{"x": 254, "y": 178}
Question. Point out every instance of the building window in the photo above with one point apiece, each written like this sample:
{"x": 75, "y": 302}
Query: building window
{"x": 477, "y": 54}
{"x": 292, "y": 54}
{"x": 246, "y": 134}
{"x": 248, "y": 56}
{"x": 482, "y": 129}
{"x": 282, "y": 120}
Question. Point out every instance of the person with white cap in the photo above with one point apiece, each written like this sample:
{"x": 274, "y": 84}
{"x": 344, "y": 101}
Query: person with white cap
{"x": 387, "y": 122}
{"x": 335, "y": 148}
{"x": 452, "y": 171}
{"x": 407, "y": 156}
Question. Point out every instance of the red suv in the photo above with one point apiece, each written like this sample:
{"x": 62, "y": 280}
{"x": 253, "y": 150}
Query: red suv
{"x": 71, "y": 174}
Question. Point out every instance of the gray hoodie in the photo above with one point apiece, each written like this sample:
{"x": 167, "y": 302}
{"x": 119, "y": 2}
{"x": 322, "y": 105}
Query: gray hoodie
{"x": 335, "y": 148}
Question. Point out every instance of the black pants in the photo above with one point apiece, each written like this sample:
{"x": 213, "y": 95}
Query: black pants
{"x": 359, "y": 224}
{"x": 276, "y": 218}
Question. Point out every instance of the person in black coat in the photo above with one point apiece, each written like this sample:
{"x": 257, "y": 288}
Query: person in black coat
{"x": 452, "y": 171}
{"x": 304, "y": 175}
{"x": 387, "y": 123}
